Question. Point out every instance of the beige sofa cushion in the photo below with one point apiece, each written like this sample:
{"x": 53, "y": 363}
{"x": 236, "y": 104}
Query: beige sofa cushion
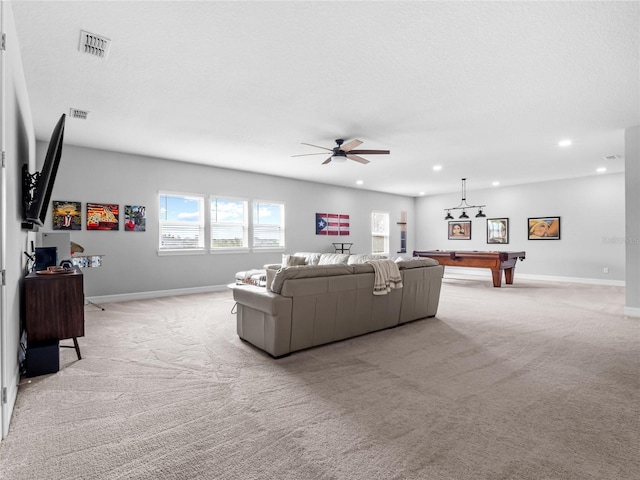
{"x": 311, "y": 258}
{"x": 333, "y": 259}
{"x": 358, "y": 258}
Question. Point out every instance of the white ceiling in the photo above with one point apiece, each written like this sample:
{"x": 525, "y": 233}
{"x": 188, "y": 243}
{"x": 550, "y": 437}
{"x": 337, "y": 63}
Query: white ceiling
{"x": 484, "y": 89}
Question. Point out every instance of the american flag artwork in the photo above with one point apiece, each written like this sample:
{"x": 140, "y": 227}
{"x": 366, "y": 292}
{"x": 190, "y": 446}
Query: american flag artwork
{"x": 332, "y": 224}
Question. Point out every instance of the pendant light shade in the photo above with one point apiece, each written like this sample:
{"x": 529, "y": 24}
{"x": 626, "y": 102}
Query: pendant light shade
{"x": 464, "y": 205}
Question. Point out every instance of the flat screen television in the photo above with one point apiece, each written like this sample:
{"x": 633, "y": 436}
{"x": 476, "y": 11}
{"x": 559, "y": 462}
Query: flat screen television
{"x": 40, "y": 185}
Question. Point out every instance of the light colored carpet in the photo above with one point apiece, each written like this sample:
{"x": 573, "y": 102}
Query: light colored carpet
{"x": 535, "y": 381}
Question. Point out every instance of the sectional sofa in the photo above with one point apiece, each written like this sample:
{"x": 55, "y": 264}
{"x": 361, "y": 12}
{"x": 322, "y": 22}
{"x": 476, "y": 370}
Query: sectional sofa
{"x": 318, "y": 301}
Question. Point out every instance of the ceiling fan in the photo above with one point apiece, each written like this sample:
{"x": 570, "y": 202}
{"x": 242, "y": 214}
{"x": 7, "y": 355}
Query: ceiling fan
{"x": 343, "y": 152}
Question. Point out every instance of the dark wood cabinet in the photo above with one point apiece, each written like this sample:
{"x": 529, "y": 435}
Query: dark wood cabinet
{"x": 54, "y": 307}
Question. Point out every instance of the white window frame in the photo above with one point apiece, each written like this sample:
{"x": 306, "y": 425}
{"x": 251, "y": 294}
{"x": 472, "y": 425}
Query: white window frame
{"x": 255, "y": 227}
{"x": 213, "y": 223}
{"x": 383, "y": 233}
{"x": 200, "y": 248}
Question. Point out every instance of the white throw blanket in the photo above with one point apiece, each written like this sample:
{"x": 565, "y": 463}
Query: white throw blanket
{"x": 387, "y": 276}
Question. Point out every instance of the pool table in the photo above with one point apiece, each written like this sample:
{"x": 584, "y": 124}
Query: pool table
{"x": 495, "y": 261}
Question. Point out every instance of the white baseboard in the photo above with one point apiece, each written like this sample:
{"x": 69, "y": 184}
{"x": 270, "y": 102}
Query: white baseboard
{"x": 485, "y": 272}
{"x": 12, "y": 395}
{"x": 632, "y": 312}
{"x": 590, "y": 281}
{"x": 125, "y": 297}
{"x": 449, "y": 273}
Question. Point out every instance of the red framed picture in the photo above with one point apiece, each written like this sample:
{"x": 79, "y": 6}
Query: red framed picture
{"x": 102, "y": 216}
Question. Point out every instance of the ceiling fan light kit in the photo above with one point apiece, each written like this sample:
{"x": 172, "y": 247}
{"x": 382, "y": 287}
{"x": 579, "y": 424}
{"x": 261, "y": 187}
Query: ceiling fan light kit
{"x": 464, "y": 205}
{"x": 342, "y": 153}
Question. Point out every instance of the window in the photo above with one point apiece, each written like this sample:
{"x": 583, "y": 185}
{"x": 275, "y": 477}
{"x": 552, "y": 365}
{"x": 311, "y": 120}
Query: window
{"x": 380, "y": 233}
{"x": 181, "y": 222}
{"x": 229, "y": 224}
{"x": 268, "y": 225}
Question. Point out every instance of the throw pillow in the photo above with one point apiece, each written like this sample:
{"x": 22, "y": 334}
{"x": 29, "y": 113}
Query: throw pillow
{"x": 271, "y": 274}
{"x": 292, "y": 261}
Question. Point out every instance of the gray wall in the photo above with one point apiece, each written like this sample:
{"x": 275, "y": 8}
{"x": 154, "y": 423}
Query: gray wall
{"x": 131, "y": 263}
{"x": 592, "y": 211}
{"x": 591, "y": 208}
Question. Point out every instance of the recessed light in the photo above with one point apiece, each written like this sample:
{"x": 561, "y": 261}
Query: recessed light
{"x": 421, "y": 193}
{"x": 564, "y": 143}
{"x": 601, "y": 169}
{"x": 437, "y": 168}
{"x": 496, "y": 184}
{"x": 359, "y": 182}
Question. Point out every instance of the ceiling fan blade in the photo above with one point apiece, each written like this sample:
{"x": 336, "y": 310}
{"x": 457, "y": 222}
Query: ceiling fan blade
{"x": 326, "y": 161}
{"x": 324, "y": 148}
{"x": 371, "y": 152}
{"x": 351, "y": 145}
{"x": 350, "y": 156}
{"x": 307, "y": 154}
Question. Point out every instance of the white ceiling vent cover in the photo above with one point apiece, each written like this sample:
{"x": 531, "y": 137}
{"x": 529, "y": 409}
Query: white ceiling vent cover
{"x": 93, "y": 44}
{"x": 613, "y": 157}
{"x": 77, "y": 113}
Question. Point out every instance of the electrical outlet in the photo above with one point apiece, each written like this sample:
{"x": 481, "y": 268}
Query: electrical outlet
{"x": 605, "y": 270}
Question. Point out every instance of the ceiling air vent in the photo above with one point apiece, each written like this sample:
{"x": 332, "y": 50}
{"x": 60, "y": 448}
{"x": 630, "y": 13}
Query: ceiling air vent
{"x": 93, "y": 44}
{"x": 613, "y": 157}
{"x": 77, "y": 113}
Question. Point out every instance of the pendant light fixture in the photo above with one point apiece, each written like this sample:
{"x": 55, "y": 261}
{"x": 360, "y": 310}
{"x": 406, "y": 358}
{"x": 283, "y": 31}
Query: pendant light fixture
{"x": 464, "y": 205}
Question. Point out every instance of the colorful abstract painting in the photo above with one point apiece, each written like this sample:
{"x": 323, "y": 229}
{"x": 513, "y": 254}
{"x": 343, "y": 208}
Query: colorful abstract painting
{"x": 67, "y": 215}
{"x": 102, "y": 216}
{"x": 135, "y": 219}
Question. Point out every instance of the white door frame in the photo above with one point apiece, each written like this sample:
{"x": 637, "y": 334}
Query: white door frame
{"x": 5, "y": 411}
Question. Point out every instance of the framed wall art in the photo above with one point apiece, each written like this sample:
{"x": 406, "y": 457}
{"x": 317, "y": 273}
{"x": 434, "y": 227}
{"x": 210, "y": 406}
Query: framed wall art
{"x": 543, "y": 228}
{"x": 498, "y": 230}
{"x": 332, "y": 224}
{"x": 135, "y": 218}
{"x": 102, "y": 216}
{"x": 67, "y": 215}
{"x": 460, "y": 230}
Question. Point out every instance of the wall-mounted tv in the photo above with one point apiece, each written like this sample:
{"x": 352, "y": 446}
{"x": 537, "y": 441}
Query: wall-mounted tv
{"x": 37, "y": 188}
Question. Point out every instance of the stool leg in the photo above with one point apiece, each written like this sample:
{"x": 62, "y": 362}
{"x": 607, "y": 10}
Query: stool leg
{"x": 77, "y": 347}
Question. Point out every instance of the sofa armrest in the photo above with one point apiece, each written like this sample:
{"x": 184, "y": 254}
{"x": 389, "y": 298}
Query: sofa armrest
{"x": 258, "y": 298}
{"x": 420, "y": 292}
{"x": 264, "y": 319}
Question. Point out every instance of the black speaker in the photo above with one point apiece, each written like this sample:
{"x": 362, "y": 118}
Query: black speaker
{"x": 42, "y": 358}
{"x": 46, "y": 257}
